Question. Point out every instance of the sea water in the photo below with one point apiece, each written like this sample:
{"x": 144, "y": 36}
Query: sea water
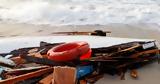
{"x": 80, "y": 12}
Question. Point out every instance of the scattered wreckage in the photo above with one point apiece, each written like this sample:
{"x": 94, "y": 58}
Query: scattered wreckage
{"x": 32, "y": 65}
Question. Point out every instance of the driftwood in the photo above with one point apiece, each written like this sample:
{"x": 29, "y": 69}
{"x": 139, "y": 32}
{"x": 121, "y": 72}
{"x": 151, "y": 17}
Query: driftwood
{"x": 96, "y": 32}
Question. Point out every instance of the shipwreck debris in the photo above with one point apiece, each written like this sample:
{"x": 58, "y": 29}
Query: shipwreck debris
{"x": 32, "y": 65}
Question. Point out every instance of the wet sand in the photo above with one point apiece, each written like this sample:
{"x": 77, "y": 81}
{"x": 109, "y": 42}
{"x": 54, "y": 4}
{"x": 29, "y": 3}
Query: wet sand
{"x": 149, "y": 31}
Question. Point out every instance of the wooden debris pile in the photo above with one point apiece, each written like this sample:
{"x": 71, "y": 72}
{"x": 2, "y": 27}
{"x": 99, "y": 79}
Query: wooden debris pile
{"x": 116, "y": 60}
{"x": 31, "y": 66}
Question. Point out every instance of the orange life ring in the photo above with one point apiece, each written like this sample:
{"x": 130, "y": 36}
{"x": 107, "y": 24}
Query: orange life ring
{"x": 86, "y": 56}
{"x": 69, "y": 51}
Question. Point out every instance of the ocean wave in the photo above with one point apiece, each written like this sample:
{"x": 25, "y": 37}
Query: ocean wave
{"x": 80, "y": 12}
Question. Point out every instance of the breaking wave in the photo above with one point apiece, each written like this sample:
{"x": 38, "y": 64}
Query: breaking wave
{"x": 80, "y": 12}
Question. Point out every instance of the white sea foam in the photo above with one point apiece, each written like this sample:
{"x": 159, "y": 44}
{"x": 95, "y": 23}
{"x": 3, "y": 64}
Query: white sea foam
{"x": 80, "y": 12}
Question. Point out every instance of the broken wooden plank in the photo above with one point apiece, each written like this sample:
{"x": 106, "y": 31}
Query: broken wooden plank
{"x": 145, "y": 52}
{"x": 114, "y": 48}
{"x": 64, "y": 75}
{"x": 14, "y": 71}
{"x": 26, "y": 76}
{"x": 46, "y": 80}
{"x": 18, "y": 60}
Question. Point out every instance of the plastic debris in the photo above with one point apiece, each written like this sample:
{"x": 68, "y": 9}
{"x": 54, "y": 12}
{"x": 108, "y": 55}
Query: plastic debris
{"x": 84, "y": 70}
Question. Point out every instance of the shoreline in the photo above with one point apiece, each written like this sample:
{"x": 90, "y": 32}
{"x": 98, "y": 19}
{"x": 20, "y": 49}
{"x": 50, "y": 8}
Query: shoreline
{"x": 140, "y": 31}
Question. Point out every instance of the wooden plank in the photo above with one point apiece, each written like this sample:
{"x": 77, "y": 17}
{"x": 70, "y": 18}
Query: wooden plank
{"x": 64, "y": 75}
{"x": 46, "y": 80}
{"x": 18, "y": 60}
{"x": 26, "y": 76}
{"x": 14, "y": 71}
{"x": 82, "y": 82}
{"x": 145, "y": 52}
{"x": 77, "y": 32}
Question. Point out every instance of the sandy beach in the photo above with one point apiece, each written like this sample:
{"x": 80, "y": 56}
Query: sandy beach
{"x": 146, "y": 31}
{"x": 138, "y": 19}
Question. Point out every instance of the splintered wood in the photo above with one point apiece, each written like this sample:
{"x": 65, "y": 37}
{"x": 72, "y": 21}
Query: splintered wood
{"x": 60, "y": 75}
{"x": 64, "y": 75}
{"x": 32, "y": 66}
{"x": 26, "y": 76}
{"x": 46, "y": 80}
